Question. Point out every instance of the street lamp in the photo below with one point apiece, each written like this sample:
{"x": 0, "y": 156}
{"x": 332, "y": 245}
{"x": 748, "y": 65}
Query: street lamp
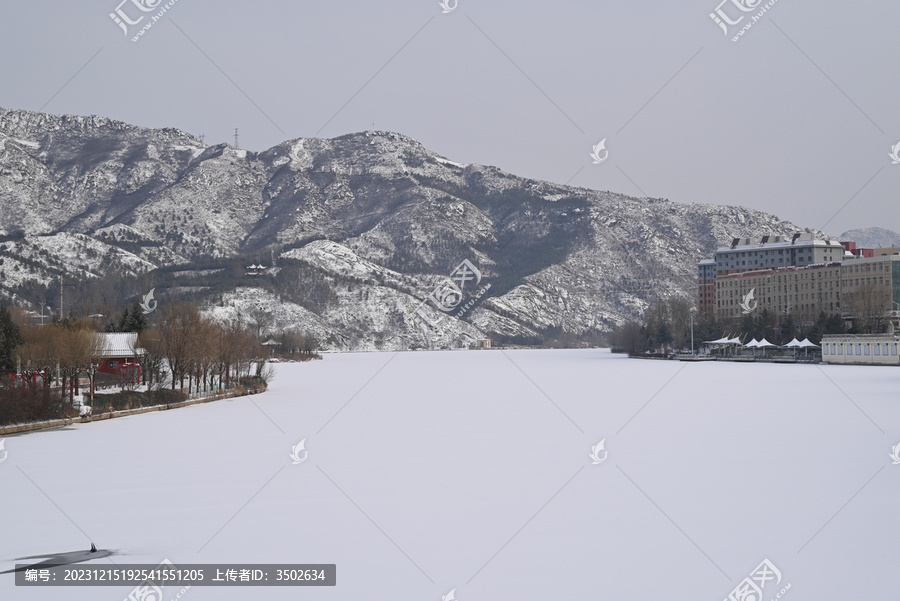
{"x": 93, "y": 370}
{"x": 693, "y": 310}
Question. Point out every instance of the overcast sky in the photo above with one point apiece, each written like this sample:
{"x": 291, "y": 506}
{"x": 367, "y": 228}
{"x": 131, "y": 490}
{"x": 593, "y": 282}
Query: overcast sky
{"x": 797, "y": 117}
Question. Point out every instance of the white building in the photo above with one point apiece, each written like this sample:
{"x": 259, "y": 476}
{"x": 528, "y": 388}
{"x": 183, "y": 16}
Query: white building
{"x": 861, "y": 349}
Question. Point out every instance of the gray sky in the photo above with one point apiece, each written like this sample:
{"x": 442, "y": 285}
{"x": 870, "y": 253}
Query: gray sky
{"x": 796, "y": 118}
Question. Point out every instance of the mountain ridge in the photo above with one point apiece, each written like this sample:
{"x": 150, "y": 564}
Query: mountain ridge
{"x": 558, "y": 257}
{"x": 872, "y": 237}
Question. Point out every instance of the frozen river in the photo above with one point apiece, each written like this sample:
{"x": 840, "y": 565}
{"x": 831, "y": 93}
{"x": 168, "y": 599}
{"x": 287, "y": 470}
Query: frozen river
{"x": 472, "y": 471}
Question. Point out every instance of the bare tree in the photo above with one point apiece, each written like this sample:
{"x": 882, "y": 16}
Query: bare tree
{"x": 230, "y": 338}
{"x": 869, "y": 305}
{"x": 291, "y": 342}
{"x": 202, "y": 353}
{"x": 76, "y": 347}
{"x": 260, "y": 357}
{"x": 150, "y": 355}
{"x": 630, "y": 337}
{"x": 310, "y": 343}
{"x": 246, "y": 351}
{"x": 680, "y": 315}
{"x": 177, "y": 325}
{"x": 38, "y": 354}
{"x": 262, "y": 321}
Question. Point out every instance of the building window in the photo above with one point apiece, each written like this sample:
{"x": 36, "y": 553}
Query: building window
{"x": 859, "y": 349}
{"x": 878, "y": 348}
{"x": 894, "y": 349}
{"x": 841, "y": 349}
{"x": 867, "y": 349}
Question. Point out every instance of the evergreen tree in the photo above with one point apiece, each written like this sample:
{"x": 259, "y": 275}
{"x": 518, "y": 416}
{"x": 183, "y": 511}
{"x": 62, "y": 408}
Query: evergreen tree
{"x": 10, "y": 338}
{"x": 131, "y": 320}
{"x": 788, "y": 330}
{"x": 137, "y": 320}
{"x": 663, "y": 335}
{"x": 124, "y": 320}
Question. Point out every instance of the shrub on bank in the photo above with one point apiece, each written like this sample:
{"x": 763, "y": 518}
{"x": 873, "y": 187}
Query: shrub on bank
{"x": 24, "y": 405}
{"x": 128, "y": 399}
{"x": 251, "y": 385}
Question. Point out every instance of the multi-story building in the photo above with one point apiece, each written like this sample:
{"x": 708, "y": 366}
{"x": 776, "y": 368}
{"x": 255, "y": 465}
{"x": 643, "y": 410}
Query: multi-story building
{"x": 877, "y": 276}
{"x": 857, "y": 284}
{"x": 799, "y": 276}
{"x": 772, "y": 252}
{"x": 802, "y": 292}
{"x": 706, "y": 278}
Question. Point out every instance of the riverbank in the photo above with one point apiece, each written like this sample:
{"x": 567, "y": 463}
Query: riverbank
{"x": 105, "y": 415}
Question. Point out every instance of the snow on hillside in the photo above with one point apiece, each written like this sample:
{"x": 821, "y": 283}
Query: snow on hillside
{"x": 242, "y": 303}
{"x": 375, "y": 207}
{"x": 41, "y": 258}
{"x": 872, "y": 237}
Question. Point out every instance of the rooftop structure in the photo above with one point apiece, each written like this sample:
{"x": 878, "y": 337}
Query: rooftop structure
{"x": 120, "y": 345}
{"x": 745, "y": 254}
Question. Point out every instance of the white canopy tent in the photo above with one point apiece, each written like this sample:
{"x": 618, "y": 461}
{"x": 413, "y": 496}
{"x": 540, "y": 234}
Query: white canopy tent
{"x": 759, "y": 344}
{"x": 724, "y": 342}
{"x": 806, "y": 344}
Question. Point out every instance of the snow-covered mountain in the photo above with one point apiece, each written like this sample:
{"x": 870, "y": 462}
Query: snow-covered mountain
{"x": 376, "y": 220}
{"x": 872, "y": 237}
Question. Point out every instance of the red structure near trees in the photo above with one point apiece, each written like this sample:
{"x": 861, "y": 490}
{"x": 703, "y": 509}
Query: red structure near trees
{"x": 119, "y": 355}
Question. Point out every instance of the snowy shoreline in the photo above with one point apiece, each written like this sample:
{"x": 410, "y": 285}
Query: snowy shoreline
{"x": 86, "y": 419}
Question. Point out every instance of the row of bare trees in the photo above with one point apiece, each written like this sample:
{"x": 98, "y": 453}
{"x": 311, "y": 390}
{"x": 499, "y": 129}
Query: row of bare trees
{"x": 182, "y": 349}
{"x": 295, "y": 342}
{"x": 869, "y": 305}
{"x": 198, "y": 352}
{"x": 64, "y": 348}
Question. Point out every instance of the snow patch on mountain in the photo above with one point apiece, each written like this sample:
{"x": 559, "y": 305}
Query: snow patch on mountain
{"x": 242, "y": 303}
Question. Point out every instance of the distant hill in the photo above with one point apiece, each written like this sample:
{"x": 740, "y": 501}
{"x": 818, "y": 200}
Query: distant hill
{"x": 364, "y": 227}
{"x": 872, "y": 237}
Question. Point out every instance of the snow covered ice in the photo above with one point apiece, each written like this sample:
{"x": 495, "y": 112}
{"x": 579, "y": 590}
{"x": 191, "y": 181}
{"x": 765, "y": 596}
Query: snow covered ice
{"x": 434, "y": 471}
